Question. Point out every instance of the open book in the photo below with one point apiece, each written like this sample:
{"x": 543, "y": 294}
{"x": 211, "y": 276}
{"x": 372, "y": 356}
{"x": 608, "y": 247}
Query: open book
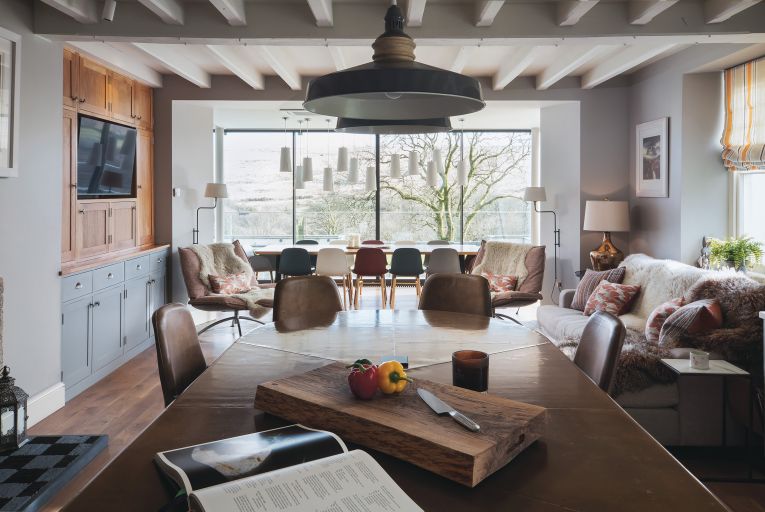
{"x": 289, "y": 469}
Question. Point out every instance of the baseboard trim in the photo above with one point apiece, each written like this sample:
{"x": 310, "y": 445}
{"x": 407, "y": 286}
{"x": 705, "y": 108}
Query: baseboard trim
{"x": 45, "y": 403}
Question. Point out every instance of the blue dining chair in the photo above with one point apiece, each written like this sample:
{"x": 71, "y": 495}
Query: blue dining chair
{"x": 295, "y": 261}
{"x": 307, "y": 241}
{"x": 406, "y": 262}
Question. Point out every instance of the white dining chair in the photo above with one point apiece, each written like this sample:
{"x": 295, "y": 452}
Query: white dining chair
{"x": 405, "y": 242}
{"x": 443, "y": 261}
{"x": 339, "y": 242}
{"x": 332, "y": 262}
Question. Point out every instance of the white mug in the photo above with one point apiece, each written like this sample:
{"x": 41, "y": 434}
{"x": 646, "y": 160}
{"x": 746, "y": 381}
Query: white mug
{"x": 699, "y": 360}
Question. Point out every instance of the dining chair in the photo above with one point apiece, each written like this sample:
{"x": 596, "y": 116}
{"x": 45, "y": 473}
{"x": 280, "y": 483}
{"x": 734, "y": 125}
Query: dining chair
{"x": 443, "y": 260}
{"x": 339, "y": 242}
{"x": 599, "y": 348}
{"x": 370, "y": 262}
{"x": 333, "y": 262}
{"x": 306, "y": 241}
{"x": 439, "y": 242}
{"x": 179, "y": 355}
{"x": 295, "y": 261}
{"x": 306, "y": 301}
{"x": 406, "y": 262}
{"x": 260, "y": 263}
{"x": 458, "y": 293}
{"x": 405, "y": 242}
{"x": 372, "y": 242}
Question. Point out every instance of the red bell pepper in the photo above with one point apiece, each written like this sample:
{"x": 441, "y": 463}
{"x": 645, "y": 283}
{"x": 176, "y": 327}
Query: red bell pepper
{"x": 363, "y": 379}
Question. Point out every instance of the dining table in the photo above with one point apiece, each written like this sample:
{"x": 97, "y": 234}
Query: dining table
{"x": 313, "y": 249}
{"x": 592, "y": 455}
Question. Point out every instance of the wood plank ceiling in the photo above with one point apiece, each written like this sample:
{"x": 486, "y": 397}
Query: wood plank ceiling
{"x": 594, "y": 40}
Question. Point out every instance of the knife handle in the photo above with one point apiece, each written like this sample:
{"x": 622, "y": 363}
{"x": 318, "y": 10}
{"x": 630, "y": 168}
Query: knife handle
{"x": 465, "y": 421}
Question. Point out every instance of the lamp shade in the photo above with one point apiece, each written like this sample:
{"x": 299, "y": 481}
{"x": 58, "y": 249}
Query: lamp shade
{"x": 607, "y": 216}
{"x": 329, "y": 185}
{"x": 395, "y": 166}
{"x": 439, "y": 159}
{"x": 342, "y": 159}
{"x": 462, "y": 173}
{"x": 353, "y": 173}
{"x": 532, "y": 194}
{"x": 216, "y": 190}
{"x": 414, "y": 164}
{"x": 285, "y": 161}
{"x": 393, "y": 126}
{"x": 432, "y": 174}
{"x": 299, "y": 183}
{"x": 308, "y": 169}
{"x": 371, "y": 183}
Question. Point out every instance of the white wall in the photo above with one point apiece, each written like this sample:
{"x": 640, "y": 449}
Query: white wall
{"x": 30, "y": 209}
{"x": 192, "y": 168}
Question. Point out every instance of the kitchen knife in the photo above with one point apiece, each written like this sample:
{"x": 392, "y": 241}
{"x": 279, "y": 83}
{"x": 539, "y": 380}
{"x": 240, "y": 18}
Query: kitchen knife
{"x": 441, "y": 407}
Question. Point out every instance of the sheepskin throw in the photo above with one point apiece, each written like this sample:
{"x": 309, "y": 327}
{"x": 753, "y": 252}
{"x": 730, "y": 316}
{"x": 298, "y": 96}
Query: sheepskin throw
{"x": 504, "y": 259}
{"x": 220, "y": 259}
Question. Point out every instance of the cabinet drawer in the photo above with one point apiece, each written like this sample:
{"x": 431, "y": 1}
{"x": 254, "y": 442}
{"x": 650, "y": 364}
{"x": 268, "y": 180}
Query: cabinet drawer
{"x": 76, "y": 286}
{"x": 108, "y": 276}
{"x": 159, "y": 262}
{"x": 138, "y": 267}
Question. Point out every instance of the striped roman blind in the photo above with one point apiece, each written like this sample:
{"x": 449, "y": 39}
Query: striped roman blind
{"x": 743, "y": 137}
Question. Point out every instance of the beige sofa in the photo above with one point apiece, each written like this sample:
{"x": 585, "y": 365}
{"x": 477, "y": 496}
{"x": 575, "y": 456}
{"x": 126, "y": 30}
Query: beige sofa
{"x": 675, "y": 414}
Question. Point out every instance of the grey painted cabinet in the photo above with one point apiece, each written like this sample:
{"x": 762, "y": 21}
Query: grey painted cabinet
{"x": 136, "y": 322}
{"x": 106, "y": 317}
{"x": 75, "y": 340}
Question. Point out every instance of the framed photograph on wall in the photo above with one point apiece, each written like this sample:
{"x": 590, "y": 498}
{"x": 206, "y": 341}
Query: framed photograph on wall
{"x": 10, "y": 51}
{"x": 651, "y": 162}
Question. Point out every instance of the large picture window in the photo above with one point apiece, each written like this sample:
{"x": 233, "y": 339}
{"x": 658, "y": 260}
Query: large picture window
{"x": 263, "y": 206}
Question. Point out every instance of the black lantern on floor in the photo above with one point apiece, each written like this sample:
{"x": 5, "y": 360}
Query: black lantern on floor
{"x": 13, "y": 413}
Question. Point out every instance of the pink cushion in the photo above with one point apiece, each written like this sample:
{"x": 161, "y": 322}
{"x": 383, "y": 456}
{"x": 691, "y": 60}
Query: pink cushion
{"x": 230, "y": 283}
{"x": 500, "y": 283}
{"x": 612, "y": 298}
{"x": 658, "y": 316}
{"x": 695, "y": 318}
{"x": 590, "y": 281}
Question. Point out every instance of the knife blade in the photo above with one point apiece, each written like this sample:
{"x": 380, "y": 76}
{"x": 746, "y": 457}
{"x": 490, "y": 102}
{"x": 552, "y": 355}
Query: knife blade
{"x": 440, "y": 407}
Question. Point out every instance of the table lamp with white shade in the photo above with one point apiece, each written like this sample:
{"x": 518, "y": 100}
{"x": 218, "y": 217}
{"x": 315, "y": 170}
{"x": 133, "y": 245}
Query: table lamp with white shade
{"x": 606, "y": 216}
{"x": 215, "y": 191}
{"x": 538, "y": 195}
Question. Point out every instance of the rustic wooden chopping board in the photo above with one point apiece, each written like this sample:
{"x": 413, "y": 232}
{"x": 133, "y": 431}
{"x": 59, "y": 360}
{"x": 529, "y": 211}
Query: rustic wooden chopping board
{"x": 405, "y": 427}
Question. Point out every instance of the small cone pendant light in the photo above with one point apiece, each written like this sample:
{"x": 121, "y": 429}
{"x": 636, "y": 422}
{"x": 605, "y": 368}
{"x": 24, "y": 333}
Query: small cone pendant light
{"x": 342, "y": 159}
{"x": 395, "y": 166}
{"x": 353, "y": 173}
{"x": 462, "y": 167}
{"x": 285, "y": 160}
{"x": 439, "y": 160}
{"x": 299, "y": 184}
{"x": 371, "y": 179}
{"x": 432, "y": 175}
{"x": 307, "y": 160}
{"x": 414, "y": 164}
{"x": 329, "y": 185}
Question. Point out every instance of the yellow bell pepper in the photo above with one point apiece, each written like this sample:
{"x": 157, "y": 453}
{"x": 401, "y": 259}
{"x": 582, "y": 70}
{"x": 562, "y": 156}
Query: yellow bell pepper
{"x": 391, "y": 377}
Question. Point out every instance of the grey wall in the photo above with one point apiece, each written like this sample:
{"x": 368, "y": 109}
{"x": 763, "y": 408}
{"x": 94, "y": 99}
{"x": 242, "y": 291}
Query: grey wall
{"x": 30, "y": 209}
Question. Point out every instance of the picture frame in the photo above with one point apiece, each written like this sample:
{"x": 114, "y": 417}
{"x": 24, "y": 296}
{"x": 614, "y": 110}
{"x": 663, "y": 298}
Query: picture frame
{"x": 651, "y": 158}
{"x": 10, "y": 90}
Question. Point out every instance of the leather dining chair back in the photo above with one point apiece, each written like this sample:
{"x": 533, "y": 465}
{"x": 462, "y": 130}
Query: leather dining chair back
{"x": 295, "y": 261}
{"x": 458, "y": 293}
{"x": 306, "y": 301}
{"x": 599, "y": 348}
{"x": 306, "y": 242}
{"x": 260, "y": 263}
{"x": 370, "y": 262}
{"x": 179, "y": 355}
{"x": 444, "y": 260}
{"x": 406, "y": 262}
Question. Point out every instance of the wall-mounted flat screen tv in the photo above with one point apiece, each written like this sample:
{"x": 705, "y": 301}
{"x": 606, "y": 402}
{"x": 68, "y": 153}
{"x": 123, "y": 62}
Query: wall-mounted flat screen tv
{"x": 105, "y": 159}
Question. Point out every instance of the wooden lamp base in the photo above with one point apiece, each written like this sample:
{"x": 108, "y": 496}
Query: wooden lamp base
{"x": 607, "y": 256}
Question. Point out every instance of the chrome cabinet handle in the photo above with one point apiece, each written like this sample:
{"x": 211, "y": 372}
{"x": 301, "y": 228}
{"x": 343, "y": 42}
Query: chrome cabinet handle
{"x": 97, "y": 304}
{"x": 139, "y": 267}
{"x": 109, "y": 276}
{"x": 82, "y": 212}
{"x": 78, "y": 286}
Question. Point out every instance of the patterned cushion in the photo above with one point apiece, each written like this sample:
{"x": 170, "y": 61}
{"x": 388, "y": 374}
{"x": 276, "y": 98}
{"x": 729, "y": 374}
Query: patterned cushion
{"x": 590, "y": 281}
{"x": 500, "y": 283}
{"x": 658, "y": 316}
{"x": 694, "y": 318}
{"x": 230, "y": 283}
{"x": 612, "y": 298}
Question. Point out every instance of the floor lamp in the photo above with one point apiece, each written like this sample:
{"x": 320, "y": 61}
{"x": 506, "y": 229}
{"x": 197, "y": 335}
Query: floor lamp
{"x": 537, "y": 195}
{"x": 215, "y": 191}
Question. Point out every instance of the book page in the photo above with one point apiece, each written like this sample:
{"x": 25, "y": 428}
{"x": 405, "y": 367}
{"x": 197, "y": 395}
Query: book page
{"x": 351, "y": 482}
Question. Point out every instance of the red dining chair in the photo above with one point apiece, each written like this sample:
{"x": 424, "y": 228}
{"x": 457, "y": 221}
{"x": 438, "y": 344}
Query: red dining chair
{"x": 372, "y": 242}
{"x": 370, "y": 262}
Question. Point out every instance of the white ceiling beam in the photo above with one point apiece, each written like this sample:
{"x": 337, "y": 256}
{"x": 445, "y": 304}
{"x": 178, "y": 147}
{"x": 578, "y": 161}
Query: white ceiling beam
{"x": 169, "y": 11}
{"x": 642, "y": 12}
{"x": 717, "y": 11}
{"x": 176, "y": 62}
{"x": 513, "y": 66}
{"x": 322, "y": 11}
{"x": 110, "y": 55}
{"x": 84, "y": 11}
{"x": 232, "y": 10}
{"x": 278, "y": 63}
{"x": 571, "y": 11}
{"x": 569, "y": 60}
{"x": 622, "y": 62}
{"x": 336, "y": 52}
{"x": 462, "y": 58}
{"x": 486, "y": 11}
{"x": 415, "y": 10}
{"x": 238, "y": 65}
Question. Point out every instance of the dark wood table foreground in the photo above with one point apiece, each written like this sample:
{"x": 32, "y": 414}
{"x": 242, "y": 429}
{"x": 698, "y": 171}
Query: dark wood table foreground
{"x": 593, "y": 456}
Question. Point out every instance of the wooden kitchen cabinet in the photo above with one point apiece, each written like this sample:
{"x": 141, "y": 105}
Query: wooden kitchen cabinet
{"x": 142, "y": 106}
{"x": 69, "y": 187}
{"x": 121, "y": 98}
{"x": 92, "y": 229}
{"x": 93, "y": 88}
{"x": 144, "y": 187}
{"x": 71, "y": 76}
{"x": 123, "y": 233}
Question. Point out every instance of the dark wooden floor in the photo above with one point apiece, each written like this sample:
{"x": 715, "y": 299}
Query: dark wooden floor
{"x": 123, "y": 404}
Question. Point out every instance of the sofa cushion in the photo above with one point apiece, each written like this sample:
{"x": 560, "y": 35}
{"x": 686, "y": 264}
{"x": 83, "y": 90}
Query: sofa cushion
{"x": 560, "y": 324}
{"x": 695, "y": 318}
{"x": 500, "y": 283}
{"x": 658, "y": 316}
{"x": 612, "y": 298}
{"x": 230, "y": 284}
{"x": 590, "y": 281}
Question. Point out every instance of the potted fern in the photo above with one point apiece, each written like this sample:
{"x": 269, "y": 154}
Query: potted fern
{"x": 737, "y": 253}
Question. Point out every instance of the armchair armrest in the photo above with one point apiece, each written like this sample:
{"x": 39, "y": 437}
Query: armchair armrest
{"x": 566, "y": 298}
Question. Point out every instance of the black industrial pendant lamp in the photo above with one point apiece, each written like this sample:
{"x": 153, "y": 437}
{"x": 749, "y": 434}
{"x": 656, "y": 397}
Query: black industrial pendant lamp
{"x": 393, "y": 86}
{"x": 390, "y": 127}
